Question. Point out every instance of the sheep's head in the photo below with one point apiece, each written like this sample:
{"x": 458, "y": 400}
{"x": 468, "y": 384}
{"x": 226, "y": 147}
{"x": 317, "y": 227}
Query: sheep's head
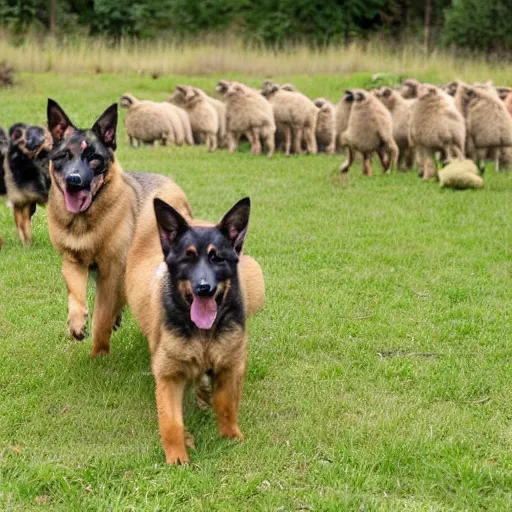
{"x": 409, "y": 88}
{"x": 348, "y": 97}
{"x": 503, "y": 92}
{"x": 320, "y": 102}
{"x": 360, "y": 95}
{"x": 127, "y": 100}
{"x": 451, "y": 87}
{"x": 289, "y": 88}
{"x": 387, "y": 96}
{"x": 269, "y": 88}
{"x": 223, "y": 86}
{"x": 427, "y": 90}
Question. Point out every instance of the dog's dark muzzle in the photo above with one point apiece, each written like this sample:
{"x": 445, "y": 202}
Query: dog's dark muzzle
{"x": 34, "y": 141}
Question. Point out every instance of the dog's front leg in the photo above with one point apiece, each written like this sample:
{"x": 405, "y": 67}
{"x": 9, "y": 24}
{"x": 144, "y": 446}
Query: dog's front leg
{"x": 75, "y": 274}
{"x": 169, "y": 401}
{"x": 227, "y": 393}
{"x": 107, "y": 305}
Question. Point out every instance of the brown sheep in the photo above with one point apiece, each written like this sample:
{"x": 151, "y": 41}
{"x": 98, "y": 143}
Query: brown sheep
{"x": 204, "y": 119}
{"x": 325, "y": 126}
{"x": 436, "y": 125}
{"x": 369, "y": 129}
{"x": 249, "y": 113}
{"x": 401, "y": 110}
{"x": 293, "y": 113}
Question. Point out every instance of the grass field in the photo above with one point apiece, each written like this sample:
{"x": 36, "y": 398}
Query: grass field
{"x": 379, "y": 371}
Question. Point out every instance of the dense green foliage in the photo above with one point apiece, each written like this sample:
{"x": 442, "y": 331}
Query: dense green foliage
{"x": 473, "y": 24}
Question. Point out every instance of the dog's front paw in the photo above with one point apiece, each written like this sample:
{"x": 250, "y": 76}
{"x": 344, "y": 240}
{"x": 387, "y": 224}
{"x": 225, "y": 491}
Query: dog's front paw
{"x": 231, "y": 432}
{"x": 99, "y": 350}
{"x": 77, "y": 331}
{"x": 176, "y": 456}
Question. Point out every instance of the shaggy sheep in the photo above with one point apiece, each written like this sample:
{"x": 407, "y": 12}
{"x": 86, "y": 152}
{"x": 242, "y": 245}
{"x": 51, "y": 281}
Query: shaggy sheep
{"x": 401, "y": 110}
{"x": 488, "y": 123}
{"x": 436, "y": 125}
{"x": 149, "y": 122}
{"x": 325, "y": 126}
{"x": 293, "y": 113}
{"x": 249, "y": 113}
{"x": 342, "y": 115}
{"x": 203, "y": 115}
{"x": 220, "y": 108}
{"x": 369, "y": 129}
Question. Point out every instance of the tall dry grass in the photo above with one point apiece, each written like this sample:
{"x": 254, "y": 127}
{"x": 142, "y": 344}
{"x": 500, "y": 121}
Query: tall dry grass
{"x": 88, "y": 55}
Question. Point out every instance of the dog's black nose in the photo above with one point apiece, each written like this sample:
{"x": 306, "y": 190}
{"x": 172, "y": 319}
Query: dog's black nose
{"x": 203, "y": 289}
{"x": 33, "y": 141}
{"x": 74, "y": 181}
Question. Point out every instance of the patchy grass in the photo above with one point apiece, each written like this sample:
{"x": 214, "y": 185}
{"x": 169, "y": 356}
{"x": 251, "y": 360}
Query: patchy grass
{"x": 379, "y": 373}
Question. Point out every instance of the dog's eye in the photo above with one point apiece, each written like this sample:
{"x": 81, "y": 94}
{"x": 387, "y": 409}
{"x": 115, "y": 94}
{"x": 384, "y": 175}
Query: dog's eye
{"x": 96, "y": 164}
{"x": 215, "y": 258}
{"x": 191, "y": 254}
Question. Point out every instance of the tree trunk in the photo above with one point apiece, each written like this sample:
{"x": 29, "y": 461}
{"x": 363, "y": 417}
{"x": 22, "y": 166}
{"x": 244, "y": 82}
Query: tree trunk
{"x": 53, "y": 17}
{"x": 428, "y": 18}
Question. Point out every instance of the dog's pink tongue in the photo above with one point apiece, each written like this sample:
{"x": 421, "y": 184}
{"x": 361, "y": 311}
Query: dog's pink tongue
{"x": 77, "y": 201}
{"x": 203, "y": 312}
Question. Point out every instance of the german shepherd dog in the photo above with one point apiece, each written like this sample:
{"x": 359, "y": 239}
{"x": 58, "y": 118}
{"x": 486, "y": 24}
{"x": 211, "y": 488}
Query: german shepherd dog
{"x": 92, "y": 214}
{"x": 27, "y": 180}
{"x": 4, "y": 146}
{"x": 192, "y": 305}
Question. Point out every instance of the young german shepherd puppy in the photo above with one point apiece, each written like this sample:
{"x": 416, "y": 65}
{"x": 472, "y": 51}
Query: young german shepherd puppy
{"x": 27, "y": 180}
{"x": 192, "y": 307}
{"x": 92, "y": 213}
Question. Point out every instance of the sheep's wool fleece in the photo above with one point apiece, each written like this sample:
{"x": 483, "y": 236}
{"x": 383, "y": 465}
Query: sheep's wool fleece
{"x": 461, "y": 175}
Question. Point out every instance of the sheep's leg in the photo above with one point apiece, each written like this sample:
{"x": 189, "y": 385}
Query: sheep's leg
{"x": 367, "y": 164}
{"x": 255, "y": 142}
{"x": 287, "y": 139}
{"x": 297, "y": 140}
{"x": 232, "y": 142}
{"x": 428, "y": 165}
{"x": 269, "y": 142}
{"x": 409, "y": 159}
{"x": 331, "y": 148}
{"x": 211, "y": 142}
{"x": 393, "y": 157}
{"x": 345, "y": 166}
{"x": 384, "y": 158}
{"x": 311, "y": 141}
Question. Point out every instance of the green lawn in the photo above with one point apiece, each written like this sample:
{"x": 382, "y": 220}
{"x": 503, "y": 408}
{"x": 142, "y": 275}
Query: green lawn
{"x": 379, "y": 371}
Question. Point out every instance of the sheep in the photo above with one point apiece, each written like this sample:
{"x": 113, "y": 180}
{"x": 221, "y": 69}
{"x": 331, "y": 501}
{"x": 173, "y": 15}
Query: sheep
{"x": 369, "y": 129}
{"x": 178, "y": 116}
{"x": 401, "y": 110}
{"x": 436, "y": 125}
{"x": 293, "y": 113}
{"x": 149, "y": 122}
{"x": 488, "y": 123}
{"x": 220, "y": 108}
{"x": 342, "y": 115}
{"x": 203, "y": 115}
{"x": 325, "y": 126}
{"x": 249, "y": 113}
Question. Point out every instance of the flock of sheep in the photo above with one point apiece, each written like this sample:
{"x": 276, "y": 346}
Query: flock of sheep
{"x": 405, "y": 126}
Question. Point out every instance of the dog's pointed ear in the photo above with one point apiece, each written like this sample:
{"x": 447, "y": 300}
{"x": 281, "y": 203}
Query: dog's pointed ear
{"x": 171, "y": 225}
{"x": 106, "y": 125}
{"x": 59, "y": 124}
{"x": 234, "y": 224}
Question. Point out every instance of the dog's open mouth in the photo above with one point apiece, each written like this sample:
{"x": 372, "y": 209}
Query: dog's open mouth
{"x": 203, "y": 311}
{"x": 77, "y": 201}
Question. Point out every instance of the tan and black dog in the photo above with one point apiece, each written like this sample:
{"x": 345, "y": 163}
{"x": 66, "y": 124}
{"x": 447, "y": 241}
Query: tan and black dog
{"x": 192, "y": 302}
{"x": 27, "y": 180}
{"x": 92, "y": 214}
